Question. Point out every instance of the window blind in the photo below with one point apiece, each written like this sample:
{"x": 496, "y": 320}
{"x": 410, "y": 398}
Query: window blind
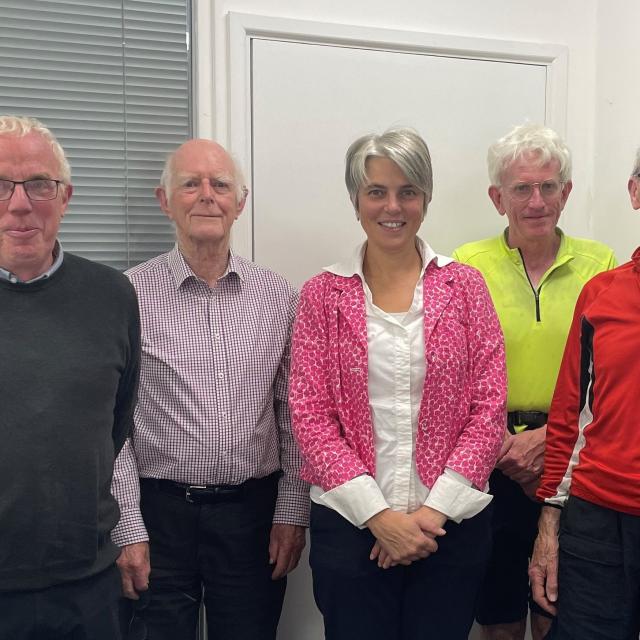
{"x": 111, "y": 79}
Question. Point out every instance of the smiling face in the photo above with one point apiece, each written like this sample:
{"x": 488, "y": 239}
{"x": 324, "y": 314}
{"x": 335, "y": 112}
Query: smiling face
{"x": 390, "y": 208}
{"x": 28, "y": 229}
{"x": 535, "y": 218}
{"x": 203, "y": 197}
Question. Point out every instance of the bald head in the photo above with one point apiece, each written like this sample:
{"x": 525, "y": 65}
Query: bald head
{"x": 191, "y": 155}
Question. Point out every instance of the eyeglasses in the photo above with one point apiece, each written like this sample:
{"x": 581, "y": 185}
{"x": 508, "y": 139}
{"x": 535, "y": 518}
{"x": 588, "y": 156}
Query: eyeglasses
{"x": 36, "y": 189}
{"x": 549, "y": 190}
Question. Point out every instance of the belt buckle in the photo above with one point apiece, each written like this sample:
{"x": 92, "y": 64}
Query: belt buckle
{"x": 187, "y": 491}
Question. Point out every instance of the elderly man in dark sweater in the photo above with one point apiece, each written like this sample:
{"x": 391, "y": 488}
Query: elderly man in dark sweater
{"x": 70, "y": 351}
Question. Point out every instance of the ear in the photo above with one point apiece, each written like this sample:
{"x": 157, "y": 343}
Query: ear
{"x": 634, "y": 192}
{"x": 496, "y": 197}
{"x": 161, "y": 196}
{"x": 66, "y": 196}
{"x": 566, "y": 190}
{"x": 242, "y": 202}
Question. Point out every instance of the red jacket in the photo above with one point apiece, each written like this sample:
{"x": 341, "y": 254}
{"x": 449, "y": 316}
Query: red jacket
{"x": 592, "y": 447}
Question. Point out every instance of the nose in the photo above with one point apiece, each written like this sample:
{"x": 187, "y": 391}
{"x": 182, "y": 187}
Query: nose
{"x": 19, "y": 200}
{"x": 393, "y": 203}
{"x": 536, "y": 200}
{"x": 206, "y": 191}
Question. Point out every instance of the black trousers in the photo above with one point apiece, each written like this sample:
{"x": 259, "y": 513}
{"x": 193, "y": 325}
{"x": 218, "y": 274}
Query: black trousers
{"x": 598, "y": 574}
{"x": 432, "y": 599}
{"x": 82, "y": 610}
{"x": 505, "y": 596}
{"x": 216, "y": 552}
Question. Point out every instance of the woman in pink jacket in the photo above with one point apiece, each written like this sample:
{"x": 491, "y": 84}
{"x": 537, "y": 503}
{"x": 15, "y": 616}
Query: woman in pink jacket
{"x": 397, "y": 393}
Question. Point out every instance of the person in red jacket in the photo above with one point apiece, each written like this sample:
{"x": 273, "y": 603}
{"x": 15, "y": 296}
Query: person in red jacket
{"x": 586, "y": 561}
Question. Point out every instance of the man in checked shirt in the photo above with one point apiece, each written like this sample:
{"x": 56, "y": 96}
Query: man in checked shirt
{"x": 212, "y": 505}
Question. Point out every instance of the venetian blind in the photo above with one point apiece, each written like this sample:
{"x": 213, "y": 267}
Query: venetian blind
{"x": 111, "y": 79}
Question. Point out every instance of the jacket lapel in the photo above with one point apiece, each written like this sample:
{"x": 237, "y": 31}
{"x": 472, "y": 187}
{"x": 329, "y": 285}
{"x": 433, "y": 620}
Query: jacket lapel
{"x": 436, "y": 294}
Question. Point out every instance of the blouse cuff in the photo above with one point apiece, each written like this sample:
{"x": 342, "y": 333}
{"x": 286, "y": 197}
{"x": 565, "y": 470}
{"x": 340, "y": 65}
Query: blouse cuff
{"x": 453, "y": 495}
{"x": 356, "y": 500}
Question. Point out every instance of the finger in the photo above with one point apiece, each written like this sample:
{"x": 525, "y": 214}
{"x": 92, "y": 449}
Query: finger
{"x": 128, "y": 590}
{"x": 551, "y": 587}
{"x": 281, "y": 562}
{"x": 375, "y": 551}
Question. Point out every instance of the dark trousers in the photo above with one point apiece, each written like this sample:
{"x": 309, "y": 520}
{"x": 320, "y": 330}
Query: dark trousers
{"x": 505, "y": 596}
{"x": 432, "y": 599}
{"x": 598, "y": 575}
{"x": 81, "y": 610}
{"x": 218, "y": 552}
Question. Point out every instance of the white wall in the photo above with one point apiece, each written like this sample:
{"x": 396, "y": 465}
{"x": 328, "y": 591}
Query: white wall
{"x": 617, "y": 124}
{"x": 567, "y": 22}
{"x": 603, "y": 126}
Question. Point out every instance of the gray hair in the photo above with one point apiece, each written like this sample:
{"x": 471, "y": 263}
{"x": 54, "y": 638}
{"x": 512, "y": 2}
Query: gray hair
{"x": 636, "y": 164}
{"x": 167, "y": 176}
{"x": 19, "y": 126}
{"x": 542, "y": 141}
{"x": 404, "y": 146}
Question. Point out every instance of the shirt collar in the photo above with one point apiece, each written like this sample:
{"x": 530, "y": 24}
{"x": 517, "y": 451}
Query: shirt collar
{"x": 564, "y": 250}
{"x": 181, "y": 271}
{"x": 58, "y": 255}
{"x": 353, "y": 265}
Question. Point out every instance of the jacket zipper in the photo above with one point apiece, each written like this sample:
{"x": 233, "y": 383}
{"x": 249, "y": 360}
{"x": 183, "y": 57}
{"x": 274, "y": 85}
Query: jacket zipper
{"x": 536, "y": 292}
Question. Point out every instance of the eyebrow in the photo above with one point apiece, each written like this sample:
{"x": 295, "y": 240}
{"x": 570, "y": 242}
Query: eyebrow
{"x": 375, "y": 185}
{"x": 189, "y": 176}
{"x": 34, "y": 176}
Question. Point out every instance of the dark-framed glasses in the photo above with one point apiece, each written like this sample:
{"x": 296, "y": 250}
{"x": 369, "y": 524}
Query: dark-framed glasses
{"x": 549, "y": 190}
{"x": 36, "y": 189}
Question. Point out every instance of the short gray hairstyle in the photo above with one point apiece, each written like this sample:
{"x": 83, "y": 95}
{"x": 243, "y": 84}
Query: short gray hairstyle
{"x": 167, "y": 176}
{"x": 403, "y": 146}
{"x": 636, "y": 164}
{"x": 526, "y": 138}
{"x": 19, "y": 126}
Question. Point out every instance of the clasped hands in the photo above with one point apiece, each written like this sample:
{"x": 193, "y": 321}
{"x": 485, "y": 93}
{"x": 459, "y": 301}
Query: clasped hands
{"x": 522, "y": 458}
{"x": 402, "y": 538}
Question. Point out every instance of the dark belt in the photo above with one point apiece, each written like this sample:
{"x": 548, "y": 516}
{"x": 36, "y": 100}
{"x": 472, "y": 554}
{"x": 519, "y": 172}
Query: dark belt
{"x": 211, "y": 493}
{"x": 532, "y": 420}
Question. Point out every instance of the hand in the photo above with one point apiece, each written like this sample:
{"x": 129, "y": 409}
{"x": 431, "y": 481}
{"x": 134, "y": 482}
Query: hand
{"x": 543, "y": 568}
{"x": 135, "y": 567}
{"x": 399, "y": 538}
{"x": 530, "y": 488}
{"x": 522, "y": 455}
{"x": 286, "y": 543}
{"x": 430, "y": 522}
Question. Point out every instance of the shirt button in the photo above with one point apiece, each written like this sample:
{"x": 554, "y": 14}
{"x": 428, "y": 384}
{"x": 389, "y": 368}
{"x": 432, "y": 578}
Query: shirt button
{"x": 221, "y": 375}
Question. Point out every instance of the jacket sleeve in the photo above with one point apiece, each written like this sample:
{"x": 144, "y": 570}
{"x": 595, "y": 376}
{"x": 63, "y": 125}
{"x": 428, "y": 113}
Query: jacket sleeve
{"x": 329, "y": 460}
{"x": 562, "y": 425}
{"x": 478, "y": 445}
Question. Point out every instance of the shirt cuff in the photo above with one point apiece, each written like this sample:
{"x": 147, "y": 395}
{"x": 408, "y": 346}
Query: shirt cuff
{"x": 130, "y": 529}
{"x": 356, "y": 500}
{"x": 453, "y": 495}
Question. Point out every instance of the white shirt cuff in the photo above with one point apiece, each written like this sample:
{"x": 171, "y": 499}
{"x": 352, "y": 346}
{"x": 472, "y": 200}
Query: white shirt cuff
{"x": 453, "y": 495}
{"x": 356, "y": 500}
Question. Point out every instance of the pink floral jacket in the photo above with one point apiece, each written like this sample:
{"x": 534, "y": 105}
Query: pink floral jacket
{"x": 462, "y": 418}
